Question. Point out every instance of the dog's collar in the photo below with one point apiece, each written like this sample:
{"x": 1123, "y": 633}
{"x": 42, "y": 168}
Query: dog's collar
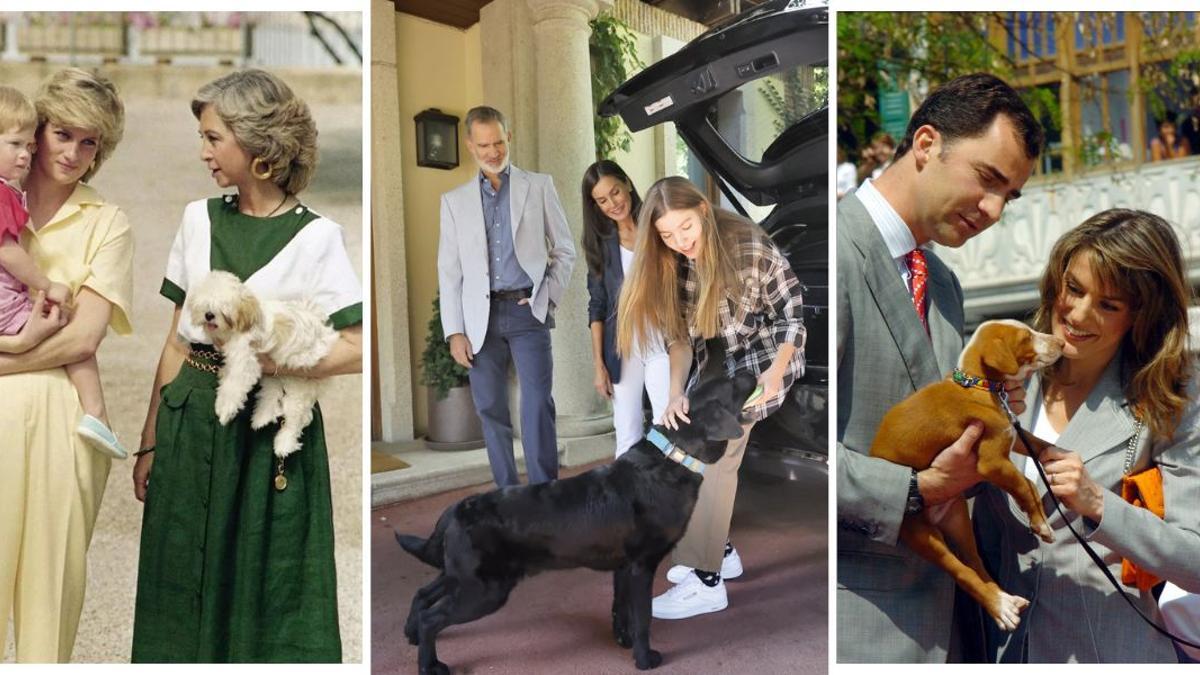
{"x": 974, "y": 382}
{"x": 674, "y": 453}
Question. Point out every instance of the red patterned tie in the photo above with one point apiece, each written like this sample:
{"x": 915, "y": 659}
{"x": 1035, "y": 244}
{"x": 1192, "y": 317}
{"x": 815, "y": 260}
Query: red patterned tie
{"x": 920, "y": 272}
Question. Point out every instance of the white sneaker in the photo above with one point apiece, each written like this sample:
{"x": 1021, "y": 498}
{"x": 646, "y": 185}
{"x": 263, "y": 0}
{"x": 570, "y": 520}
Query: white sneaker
{"x": 731, "y": 568}
{"x": 689, "y": 598}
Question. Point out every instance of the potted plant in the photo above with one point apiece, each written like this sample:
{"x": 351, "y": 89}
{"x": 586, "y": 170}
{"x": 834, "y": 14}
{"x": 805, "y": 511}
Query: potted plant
{"x": 453, "y": 423}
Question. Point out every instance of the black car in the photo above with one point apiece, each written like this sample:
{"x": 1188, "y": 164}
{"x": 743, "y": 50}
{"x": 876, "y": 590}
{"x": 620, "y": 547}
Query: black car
{"x": 693, "y": 89}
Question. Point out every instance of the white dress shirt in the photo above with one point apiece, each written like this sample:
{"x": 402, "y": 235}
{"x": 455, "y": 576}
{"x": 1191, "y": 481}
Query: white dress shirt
{"x": 896, "y": 234}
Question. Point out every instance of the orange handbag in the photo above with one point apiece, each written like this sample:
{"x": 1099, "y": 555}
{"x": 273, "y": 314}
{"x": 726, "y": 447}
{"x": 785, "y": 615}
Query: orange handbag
{"x": 1143, "y": 489}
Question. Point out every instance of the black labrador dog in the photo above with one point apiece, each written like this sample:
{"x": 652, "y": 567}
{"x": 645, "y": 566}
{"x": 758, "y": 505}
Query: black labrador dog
{"x": 623, "y": 517}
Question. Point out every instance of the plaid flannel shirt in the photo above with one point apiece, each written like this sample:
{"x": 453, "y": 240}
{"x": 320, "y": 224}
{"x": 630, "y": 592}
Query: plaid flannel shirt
{"x": 768, "y": 314}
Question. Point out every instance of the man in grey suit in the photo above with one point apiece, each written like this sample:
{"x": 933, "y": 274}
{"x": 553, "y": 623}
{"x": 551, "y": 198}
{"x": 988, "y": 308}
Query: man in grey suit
{"x": 967, "y": 152}
{"x": 504, "y": 259}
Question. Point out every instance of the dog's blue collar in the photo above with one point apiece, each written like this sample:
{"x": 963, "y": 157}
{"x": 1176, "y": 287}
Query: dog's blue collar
{"x": 673, "y": 453}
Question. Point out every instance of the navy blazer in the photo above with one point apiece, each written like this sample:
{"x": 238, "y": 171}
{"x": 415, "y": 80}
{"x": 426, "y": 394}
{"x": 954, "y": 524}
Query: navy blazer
{"x": 603, "y": 294}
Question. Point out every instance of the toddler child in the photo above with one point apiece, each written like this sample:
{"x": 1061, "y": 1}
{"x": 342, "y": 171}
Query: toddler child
{"x": 19, "y": 274}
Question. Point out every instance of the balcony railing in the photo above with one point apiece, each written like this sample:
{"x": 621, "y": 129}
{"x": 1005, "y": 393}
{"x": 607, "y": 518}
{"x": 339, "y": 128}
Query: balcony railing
{"x": 1000, "y": 268}
{"x": 231, "y": 38}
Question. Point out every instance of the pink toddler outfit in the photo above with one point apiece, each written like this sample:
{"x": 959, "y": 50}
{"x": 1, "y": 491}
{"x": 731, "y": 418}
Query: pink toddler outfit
{"x": 15, "y": 304}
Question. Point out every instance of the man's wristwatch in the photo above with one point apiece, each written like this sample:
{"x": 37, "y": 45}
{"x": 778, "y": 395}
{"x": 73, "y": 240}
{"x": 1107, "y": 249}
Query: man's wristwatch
{"x": 915, "y": 503}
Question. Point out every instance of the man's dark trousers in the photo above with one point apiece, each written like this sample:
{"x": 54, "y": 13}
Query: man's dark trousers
{"x": 514, "y": 334}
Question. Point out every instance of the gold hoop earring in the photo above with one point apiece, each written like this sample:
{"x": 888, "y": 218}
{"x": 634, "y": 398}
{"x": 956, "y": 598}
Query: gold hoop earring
{"x": 259, "y": 173}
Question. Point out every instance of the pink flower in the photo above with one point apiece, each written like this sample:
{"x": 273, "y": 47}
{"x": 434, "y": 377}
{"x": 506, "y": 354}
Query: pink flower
{"x": 142, "y": 20}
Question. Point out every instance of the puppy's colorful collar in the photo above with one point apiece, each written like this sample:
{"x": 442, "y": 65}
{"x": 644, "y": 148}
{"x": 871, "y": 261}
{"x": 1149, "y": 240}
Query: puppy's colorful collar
{"x": 973, "y": 382}
{"x": 673, "y": 452}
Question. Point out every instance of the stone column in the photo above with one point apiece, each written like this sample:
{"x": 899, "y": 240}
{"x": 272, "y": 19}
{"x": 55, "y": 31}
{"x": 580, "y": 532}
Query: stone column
{"x": 393, "y": 364}
{"x": 565, "y": 147}
{"x": 510, "y": 79}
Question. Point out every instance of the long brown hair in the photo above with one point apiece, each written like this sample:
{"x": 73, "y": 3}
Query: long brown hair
{"x": 650, "y": 298}
{"x": 596, "y": 226}
{"x": 1138, "y": 255}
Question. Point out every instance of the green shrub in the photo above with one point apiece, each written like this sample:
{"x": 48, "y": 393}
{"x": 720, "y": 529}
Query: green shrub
{"x": 438, "y": 369}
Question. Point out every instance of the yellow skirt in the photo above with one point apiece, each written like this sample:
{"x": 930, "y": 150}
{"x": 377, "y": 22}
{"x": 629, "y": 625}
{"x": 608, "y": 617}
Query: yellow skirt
{"x": 51, "y": 484}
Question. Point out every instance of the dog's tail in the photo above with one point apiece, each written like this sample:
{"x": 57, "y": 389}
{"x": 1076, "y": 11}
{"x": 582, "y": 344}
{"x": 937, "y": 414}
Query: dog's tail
{"x": 430, "y": 551}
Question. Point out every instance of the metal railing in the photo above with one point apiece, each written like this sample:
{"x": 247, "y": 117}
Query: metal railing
{"x": 305, "y": 39}
{"x": 1000, "y": 269}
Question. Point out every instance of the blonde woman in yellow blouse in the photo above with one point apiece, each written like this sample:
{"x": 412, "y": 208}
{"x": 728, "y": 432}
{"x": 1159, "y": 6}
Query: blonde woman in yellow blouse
{"x": 51, "y": 483}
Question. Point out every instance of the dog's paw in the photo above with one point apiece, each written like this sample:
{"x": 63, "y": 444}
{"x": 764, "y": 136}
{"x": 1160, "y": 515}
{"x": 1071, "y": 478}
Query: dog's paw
{"x": 285, "y": 444}
{"x": 622, "y": 635}
{"x": 262, "y": 414}
{"x": 226, "y": 409}
{"x": 1044, "y": 532}
{"x": 1007, "y": 611}
{"x": 229, "y": 403}
{"x": 652, "y": 660}
{"x": 267, "y": 410}
{"x": 436, "y": 668}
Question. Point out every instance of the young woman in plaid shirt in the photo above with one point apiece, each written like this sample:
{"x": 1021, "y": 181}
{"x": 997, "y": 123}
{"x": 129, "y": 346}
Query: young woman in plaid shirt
{"x": 700, "y": 272}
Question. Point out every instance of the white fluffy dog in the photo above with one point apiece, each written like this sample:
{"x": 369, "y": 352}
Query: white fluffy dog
{"x": 292, "y": 333}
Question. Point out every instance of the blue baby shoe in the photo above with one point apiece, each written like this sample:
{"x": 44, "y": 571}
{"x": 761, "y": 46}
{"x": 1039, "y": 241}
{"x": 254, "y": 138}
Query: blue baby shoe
{"x": 100, "y": 437}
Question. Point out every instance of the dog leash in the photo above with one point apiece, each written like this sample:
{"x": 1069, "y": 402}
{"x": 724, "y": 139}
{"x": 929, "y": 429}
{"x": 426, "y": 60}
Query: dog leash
{"x": 1003, "y": 395}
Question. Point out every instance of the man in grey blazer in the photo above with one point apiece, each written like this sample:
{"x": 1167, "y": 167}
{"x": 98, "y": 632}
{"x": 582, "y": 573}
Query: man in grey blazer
{"x": 967, "y": 151}
{"x": 504, "y": 258}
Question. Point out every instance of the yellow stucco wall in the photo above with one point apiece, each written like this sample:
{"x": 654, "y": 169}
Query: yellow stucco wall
{"x": 638, "y": 162}
{"x": 438, "y": 66}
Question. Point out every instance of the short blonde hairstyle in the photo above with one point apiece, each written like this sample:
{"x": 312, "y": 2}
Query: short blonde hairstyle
{"x": 16, "y": 112}
{"x": 74, "y": 97}
{"x": 268, "y": 121}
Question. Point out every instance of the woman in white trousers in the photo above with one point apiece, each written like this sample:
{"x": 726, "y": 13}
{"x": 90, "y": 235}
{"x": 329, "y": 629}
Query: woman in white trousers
{"x": 610, "y": 209}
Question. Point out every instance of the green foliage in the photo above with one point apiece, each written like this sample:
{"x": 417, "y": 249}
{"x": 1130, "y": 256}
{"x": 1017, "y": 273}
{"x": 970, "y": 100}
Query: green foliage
{"x": 899, "y": 49}
{"x": 1099, "y": 148}
{"x": 902, "y": 49}
{"x": 614, "y": 55}
{"x": 438, "y": 369}
{"x": 1170, "y": 64}
{"x": 1043, "y": 103}
{"x": 895, "y": 49}
{"x": 1171, "y": 86}
{"x": 797, "y": 94}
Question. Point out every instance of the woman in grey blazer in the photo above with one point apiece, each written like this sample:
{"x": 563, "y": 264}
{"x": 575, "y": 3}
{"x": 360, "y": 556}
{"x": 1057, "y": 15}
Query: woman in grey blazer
{"x": 1122, "y": 399}
{"x": 610, "y": 211}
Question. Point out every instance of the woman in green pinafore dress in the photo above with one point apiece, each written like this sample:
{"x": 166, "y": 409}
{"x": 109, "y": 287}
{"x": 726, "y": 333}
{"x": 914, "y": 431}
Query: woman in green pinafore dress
{"x": 236, "y": 561}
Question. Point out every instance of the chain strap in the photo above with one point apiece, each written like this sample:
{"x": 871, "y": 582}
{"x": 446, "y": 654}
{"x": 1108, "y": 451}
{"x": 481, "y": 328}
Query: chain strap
{"x": 1131, "y": 449}
{"x": 212, "y": 363}
{"x": 199, "y": 365}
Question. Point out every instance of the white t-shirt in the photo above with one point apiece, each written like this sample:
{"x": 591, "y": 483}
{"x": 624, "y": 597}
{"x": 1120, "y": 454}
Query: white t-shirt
{"x": 656, "y": 347}
{"x": 626, "y": 259}
{"x": 1043, "y": 430}
{"x": 314, "y": 265}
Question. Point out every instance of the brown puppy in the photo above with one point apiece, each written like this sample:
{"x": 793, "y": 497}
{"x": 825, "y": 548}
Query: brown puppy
{"x": 915, "y": 430}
